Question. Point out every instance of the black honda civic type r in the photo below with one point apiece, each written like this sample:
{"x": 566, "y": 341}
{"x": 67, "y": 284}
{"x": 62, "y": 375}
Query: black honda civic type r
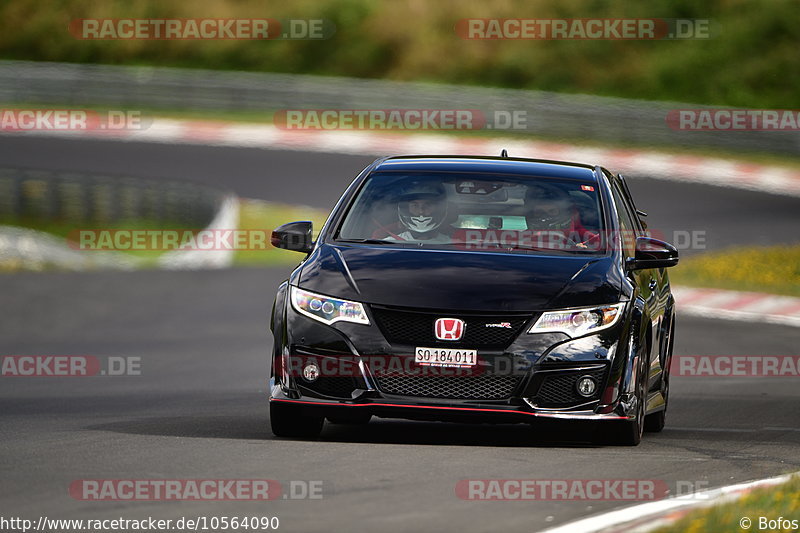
{"x": 487, "y": 289}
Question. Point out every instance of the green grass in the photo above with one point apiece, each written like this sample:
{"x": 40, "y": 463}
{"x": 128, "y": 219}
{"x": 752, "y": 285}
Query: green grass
{"x": 774, "y": 269}
{"x": 771, "y": 503}
{"x": 256, "y": 214}
{"x": 67, "y": 230}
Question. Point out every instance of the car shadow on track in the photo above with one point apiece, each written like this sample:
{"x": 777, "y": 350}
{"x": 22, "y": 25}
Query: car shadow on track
{"x": 407, "y": 432}
{"x": 456, "y": 434}
{"x": 377, "y": 432}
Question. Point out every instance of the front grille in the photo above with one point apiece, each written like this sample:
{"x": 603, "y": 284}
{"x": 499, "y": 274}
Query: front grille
{"x": 452, "y": 387}
{"x": 558, "y": 389}
{"x": 337, "y": 387}
{"x": 417, "y": 328}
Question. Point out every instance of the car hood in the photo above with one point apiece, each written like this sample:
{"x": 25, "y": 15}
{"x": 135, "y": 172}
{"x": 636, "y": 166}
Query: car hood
{"x": 438, "y": 279}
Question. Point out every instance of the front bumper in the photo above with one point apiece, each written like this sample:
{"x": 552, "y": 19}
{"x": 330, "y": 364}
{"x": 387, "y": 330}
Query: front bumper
{"x": 533, "y": 377}
{"x": 415, "y": 410}
{"x": 363, "y": 394}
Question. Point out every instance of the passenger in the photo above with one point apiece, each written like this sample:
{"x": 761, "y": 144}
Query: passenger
{"x": 549, "y": 209}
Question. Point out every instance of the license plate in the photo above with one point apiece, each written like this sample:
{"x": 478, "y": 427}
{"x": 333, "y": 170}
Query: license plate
{"x": 450, "y": 357}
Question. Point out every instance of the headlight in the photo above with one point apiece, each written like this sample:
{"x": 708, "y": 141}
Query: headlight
{"x": 578, "y": 322}
{"x": 327, "y": 309}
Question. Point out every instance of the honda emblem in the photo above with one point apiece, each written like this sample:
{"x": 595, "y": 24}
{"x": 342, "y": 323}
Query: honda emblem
{"x": 449, "y": 329}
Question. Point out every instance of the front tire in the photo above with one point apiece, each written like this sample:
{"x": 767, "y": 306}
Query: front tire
{"x": 655, "y": 422}
{"x": 624, "y": 432}
{"x": 290, "y": 421}
{"x": 627, "y": 432}
{"x": 632, "y": 431}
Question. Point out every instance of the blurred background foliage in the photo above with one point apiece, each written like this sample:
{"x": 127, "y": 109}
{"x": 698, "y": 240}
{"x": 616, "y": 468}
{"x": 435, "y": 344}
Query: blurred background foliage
{"x": 752, "y": 62}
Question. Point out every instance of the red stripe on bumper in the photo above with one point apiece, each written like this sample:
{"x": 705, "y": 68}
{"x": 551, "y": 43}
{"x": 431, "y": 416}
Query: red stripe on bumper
{"x": 443, "y": 408}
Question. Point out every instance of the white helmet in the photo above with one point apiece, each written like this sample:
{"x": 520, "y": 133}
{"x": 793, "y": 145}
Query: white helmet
{"x": 429, "y": 220}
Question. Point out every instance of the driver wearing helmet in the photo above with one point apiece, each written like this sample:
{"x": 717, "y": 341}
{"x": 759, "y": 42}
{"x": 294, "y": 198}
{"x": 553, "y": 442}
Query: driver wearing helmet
{"x": 550, "y": 209}
{"x": 422, "y": 208}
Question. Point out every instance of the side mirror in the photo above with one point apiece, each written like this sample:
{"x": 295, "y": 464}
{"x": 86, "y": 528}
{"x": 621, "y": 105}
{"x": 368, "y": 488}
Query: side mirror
{"x": 294, "y": 236}
{"x": 652, "y": 253}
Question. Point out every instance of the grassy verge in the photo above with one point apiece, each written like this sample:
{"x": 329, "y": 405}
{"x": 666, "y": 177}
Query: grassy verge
{"x": 68, "y": 232}
{"x": 256, "y": 214}
{"x": 774, "y": 269}
{"x": 770, "y": 503}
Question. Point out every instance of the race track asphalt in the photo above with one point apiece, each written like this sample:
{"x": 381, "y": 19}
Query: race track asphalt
{"x": 199, "y": 410}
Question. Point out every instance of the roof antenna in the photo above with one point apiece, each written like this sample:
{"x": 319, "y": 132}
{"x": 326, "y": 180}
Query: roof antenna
{"x": 504, "y": 153}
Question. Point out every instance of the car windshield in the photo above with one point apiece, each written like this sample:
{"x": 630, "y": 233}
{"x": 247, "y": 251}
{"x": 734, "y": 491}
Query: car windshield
{"x": 476, "y": 212}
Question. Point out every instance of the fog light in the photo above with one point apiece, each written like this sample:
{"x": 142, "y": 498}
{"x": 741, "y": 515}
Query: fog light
{"x": 311, "y": 372}
{"x": 586, "y": 386}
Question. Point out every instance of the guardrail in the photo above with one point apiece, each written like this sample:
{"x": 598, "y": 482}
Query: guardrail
{"x": 552, "y": 115}
{"x": 64, "y": 198}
